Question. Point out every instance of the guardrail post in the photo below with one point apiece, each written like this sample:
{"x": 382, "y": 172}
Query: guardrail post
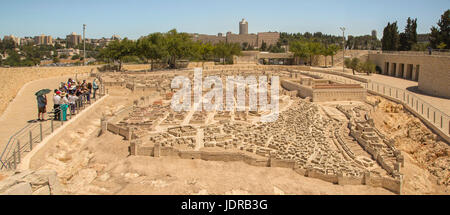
{"x": 61, "y": 116}
{"x": 14, "y": 158}
{"x": 18, "y": 151}
{"x": 40, "y": 131}
{"x": 31, "y": 141}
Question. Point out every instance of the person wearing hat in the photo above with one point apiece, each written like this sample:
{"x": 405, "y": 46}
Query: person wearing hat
{"x": 56, "y": 100}
{"x": 42, "y": 103}
{"x": 63, "y": 106}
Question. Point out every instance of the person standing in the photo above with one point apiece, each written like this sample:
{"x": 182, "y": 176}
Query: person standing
{"x": 88, "y": 92}
{"x": 95, "y": 87}
{"x": 56, "y": 100}
{"x": 42, "y": 103}
{"x": 63, "y": 106}
{"x": 72, "y": 101}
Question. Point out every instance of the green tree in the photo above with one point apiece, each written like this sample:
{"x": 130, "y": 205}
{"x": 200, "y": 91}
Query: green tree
{"x": 226, "y": 51}
{"x": 348, "y": 63}
{"x": 152, "y": 47}
{"x": 441, "y": 45}
{"x": 56, "y": 60}
{"x": 409, "y": 37}
{"x": 441, "y": 34}
{"x": 368, "y": 67}
{"x": 420, "y": 47}
{"x": 76, "y": 57}
{"x": 355, "y": 65}
{"x": 206, "y": 51}
{"x": 390, "y": 40}
{"x": 179, "y": 46}
{"x": 315, "y": 49}
{"x": 263, "y": 46}
{"x": 333, "y": 49}
{"x": 300, "y": 49}
{"x": 117, "y": 50}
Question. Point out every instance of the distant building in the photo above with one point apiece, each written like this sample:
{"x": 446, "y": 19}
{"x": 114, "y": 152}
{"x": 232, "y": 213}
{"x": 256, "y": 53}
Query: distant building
{"x": 27, "y": 41}
{"x": 374, "y": 33}
{"x": 68, "y": 52}
{"x": 253, "y": 40}
{"x": 43, "y": 40}
{"x": 115, "y": 37}
{"x": 13, "y": 38}
{"x": 73, "y": 39}
{"x": 243, "y": 27}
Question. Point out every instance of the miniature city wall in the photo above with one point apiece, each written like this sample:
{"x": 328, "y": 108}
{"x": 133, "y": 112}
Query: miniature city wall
{"x": 393, "y": 185}
{"x": 322, "y": 92}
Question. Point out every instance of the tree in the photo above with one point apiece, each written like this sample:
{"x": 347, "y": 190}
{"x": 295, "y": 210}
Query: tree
{"x": 56, "y": 60}
{"x": 179, "y": 45}
{"x": 300, "y": 49}
{"x": 152, "y": 47}
{"x": 225, "y": 51}
{"x": 420, "y": 47}
{"x": 116, "y": 50}
{"x": 315, "y": 49}
{"x": 333, "y": 49}
{"x": 348, "y": 63}
{"x": 409, "y": 37}
{"x": 390, "y": 40}
{"x": 441, "y": 34}
{"x": 368, "y": 67}
{"x": 326, "y": 52}
{"x": 76, "y": 57}
{"x": 263, "y": 46}
{"x": 441, "y": 46}
{"x": 355, "y": 65}
{"x": 206, "y": 51}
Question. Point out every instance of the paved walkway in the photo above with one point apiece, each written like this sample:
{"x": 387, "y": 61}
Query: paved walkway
{"x": 442, "y": 104}
{"x": 24, "y": 107}
{"x": 412, "y": 86}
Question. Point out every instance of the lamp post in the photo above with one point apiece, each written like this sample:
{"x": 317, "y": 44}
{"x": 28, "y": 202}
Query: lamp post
{"x": 343, "y": 48}
{"x": 84, "y": 44}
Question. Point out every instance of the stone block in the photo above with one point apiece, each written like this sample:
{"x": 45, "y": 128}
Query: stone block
{"x": 45, "y": 190}
{"x": 23, "y": 188}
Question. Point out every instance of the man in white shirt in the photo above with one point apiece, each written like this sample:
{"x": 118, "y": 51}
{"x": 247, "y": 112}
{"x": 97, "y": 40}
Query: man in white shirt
{"x": 56, "y": 100}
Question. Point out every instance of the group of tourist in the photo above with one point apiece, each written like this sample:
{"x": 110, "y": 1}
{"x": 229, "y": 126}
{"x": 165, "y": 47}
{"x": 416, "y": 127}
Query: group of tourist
{"x": 70, "y": 95}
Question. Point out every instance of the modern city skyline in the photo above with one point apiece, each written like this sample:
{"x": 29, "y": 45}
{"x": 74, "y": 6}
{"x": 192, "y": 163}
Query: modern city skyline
{"x": 136, "y": 18}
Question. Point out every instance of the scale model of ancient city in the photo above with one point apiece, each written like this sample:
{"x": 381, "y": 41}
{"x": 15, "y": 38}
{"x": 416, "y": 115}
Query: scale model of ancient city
{"x": 336, "y": 131}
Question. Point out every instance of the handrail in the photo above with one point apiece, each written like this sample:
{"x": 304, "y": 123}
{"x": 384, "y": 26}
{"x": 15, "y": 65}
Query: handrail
{"x": 444, "y": 117}
{"x": 13, "y": 142}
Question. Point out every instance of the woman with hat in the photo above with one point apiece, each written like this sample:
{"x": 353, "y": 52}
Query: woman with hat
{"x": 63, "y": 106}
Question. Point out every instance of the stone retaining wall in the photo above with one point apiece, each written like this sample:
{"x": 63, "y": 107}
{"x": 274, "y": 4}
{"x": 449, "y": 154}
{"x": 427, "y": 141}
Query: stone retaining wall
{"x": 368, "y": 179}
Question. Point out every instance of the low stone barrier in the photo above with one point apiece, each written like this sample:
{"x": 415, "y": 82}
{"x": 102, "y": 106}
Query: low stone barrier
{"x": 391, "y": 184}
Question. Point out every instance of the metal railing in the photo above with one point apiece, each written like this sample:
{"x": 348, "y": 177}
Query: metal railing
{"x": 438, "y": 52}
{"x": 24, "y": 140}
{"x": 437, "y": 118}
{"x": 428, "y": 112}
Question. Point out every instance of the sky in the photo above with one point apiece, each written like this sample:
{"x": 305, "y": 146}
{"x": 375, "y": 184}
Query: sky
{"x": 135, "y": 18}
